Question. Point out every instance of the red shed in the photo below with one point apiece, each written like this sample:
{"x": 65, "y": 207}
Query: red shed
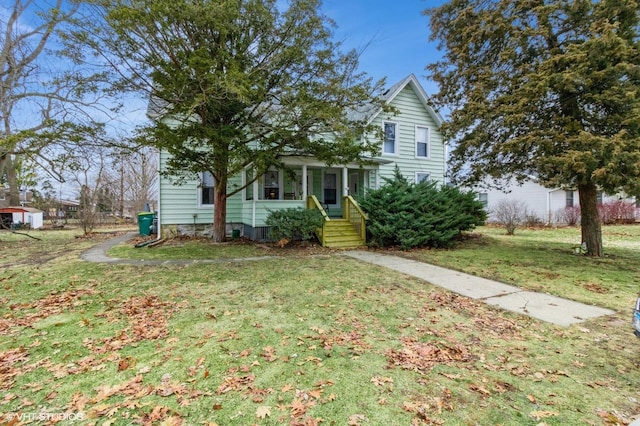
{"x": 21, "y": 215}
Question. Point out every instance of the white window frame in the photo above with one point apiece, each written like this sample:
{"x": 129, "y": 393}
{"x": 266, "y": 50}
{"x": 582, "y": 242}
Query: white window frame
{"x": 427, "y": 176}
{"x": 278, "y": 185}
{"x": 427, "y": 142}
{"x": 569, "y": 198}
{"x": 395, "y": 142}
{"x": 201, "y": 187}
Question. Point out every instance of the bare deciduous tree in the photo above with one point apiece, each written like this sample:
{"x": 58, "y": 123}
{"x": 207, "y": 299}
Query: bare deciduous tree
{"x": 41, "y": 84}
{"x": 88, "y": 168}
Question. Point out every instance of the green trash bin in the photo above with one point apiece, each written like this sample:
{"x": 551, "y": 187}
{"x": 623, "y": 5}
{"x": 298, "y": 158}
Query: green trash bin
{"x": 145, "y": 219}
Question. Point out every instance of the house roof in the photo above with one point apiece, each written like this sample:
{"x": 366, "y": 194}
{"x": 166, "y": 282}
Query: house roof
{"x": 13, "y": 209}
{"x": 411, "y": 81}
{"x": 157, "y": 107}
{"x": 370, "y": 112}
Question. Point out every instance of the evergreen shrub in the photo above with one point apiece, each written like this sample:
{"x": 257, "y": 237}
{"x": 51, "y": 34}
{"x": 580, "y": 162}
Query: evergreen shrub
{"x": 293, "y": 224}
{"x": 412, "y": 215}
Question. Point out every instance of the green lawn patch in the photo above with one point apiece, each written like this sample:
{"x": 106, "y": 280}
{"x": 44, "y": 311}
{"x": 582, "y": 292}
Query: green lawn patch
{"x": 300, "y": 340}
{"x": 544, "y": 260}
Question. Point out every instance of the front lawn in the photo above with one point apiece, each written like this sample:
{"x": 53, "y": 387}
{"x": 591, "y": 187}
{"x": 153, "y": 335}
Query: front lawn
{"x": 544, "y": 260}
{"x": 305, "y": 340}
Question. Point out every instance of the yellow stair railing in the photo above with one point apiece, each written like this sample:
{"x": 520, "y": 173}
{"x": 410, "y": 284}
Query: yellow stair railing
{"x": 332, "y": 236}
{"x": 313, "y": 203}
{"x": 352, "y": 212}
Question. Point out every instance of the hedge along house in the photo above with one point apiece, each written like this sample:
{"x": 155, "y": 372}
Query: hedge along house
{"x": 412, "y": 142}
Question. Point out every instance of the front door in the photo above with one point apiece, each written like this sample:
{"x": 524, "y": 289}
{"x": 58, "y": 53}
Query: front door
{"x": 353, "y": 184}
{"x": 331, "y": 197}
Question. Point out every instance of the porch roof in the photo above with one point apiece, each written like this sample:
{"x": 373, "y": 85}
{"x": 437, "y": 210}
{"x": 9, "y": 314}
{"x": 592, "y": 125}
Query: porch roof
{"x": 298, "y": 160}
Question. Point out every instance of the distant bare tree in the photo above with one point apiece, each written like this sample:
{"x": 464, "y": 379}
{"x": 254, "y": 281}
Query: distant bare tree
{"x": 134, "y": 179}
{"x": 87, "y": 168}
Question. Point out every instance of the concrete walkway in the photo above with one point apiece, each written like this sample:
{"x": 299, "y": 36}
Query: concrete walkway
{"x": 542, "y": 306}
{"x": 98, "y": 254}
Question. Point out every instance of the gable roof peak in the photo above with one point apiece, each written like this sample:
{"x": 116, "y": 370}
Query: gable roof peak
{"x": 412, "y": 81}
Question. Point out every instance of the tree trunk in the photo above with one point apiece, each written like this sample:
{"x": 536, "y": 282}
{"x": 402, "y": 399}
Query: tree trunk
{"x": 12, "y": 181}
{"x": 590, "y": 219}
{"x": 220, "y": 212}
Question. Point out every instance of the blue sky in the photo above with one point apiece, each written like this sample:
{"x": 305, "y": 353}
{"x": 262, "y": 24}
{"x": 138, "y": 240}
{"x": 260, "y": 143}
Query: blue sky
{"x": 398, "y": 34}
{"x": 395, "y": 34}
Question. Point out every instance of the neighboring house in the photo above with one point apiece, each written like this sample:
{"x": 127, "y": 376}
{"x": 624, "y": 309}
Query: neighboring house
{"x": 552, "y": 206}
{"x": 11, "y": 217}
{"x": 63, "y": 210}
{"x": 26, "y": 197}
{"x": 412, "y": 142}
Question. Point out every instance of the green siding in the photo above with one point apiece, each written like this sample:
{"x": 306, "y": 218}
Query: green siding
{"x": 178, "y": 203}
{"x": 412, "y": 113}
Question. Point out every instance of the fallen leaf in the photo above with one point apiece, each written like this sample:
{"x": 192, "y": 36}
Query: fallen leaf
{"x": 531, "y": 398}
{"x": 356, "y": 419}
{"x": 380, "y": 381}
{"x": 263, "y": 411}
{"x": 542, "y": 414}
{"x": 480, "y": 389}
{"x": 125, "y": 363}
{"x": 451, "y": 376}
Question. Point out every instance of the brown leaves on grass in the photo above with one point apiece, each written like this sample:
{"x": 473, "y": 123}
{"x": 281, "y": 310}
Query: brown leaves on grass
{"x": 9, "y": 369}
{"x": 300, "y": 402}
{"x": 492, "y": 325}
{"x": 147, "y": 317}
{"x": 128, "y": 395}
{"x": 53, "y": 304}
{"x": 421, "y": 357}
{"x": 426, "y": 408}
{"x": 236, "y": 383}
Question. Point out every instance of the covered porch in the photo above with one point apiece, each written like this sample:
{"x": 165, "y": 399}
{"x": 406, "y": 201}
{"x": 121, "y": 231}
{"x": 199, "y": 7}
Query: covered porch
{"x": 306, "y": 183}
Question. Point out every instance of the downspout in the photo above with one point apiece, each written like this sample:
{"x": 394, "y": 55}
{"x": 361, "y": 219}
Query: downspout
{"x": 158, "y": 209}
{"x": 253, "y": 204}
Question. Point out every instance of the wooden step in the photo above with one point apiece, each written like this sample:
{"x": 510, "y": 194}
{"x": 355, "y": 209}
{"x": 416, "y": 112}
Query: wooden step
{"x": 341, "y": 234}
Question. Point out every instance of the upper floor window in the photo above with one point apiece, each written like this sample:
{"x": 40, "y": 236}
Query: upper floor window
{"x": 422, "y": 142}
{"x": 206, "y": 189}
{"x": 390, "y": 145}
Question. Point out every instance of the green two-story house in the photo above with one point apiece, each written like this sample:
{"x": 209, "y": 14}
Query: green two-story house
{"x": 411, "y": 141}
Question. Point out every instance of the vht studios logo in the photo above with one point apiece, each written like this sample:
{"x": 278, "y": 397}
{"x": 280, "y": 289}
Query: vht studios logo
{"x": 25, "y": 417}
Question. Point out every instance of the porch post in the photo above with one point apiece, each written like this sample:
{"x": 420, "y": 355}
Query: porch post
{"x": 304, "y": 183}
{"x": 253, "y": 203}
{"x": 345, "y": 182}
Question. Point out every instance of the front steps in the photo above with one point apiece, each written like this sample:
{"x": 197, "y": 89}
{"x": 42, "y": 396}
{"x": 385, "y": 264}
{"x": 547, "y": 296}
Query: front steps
{"x": 340, "y": 233}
